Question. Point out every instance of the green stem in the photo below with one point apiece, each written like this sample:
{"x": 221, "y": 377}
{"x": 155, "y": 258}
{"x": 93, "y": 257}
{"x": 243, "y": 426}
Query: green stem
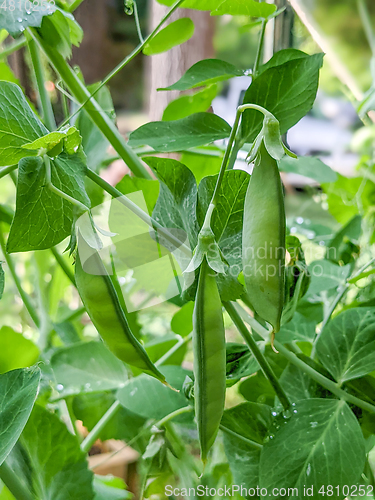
{"x": 260, "y": 48}
{"x": 253, "y": 346}
{"x": 358, "y": 275}
{"x": 366, "y": 23}
{"x": 95, "y": 433}
{"x": 174, "y": 349}
{"x": 231, "y": 140}
{"x": 138, "y": 24}
{"x": 94, "y": 110}
{"x": 234, "y": 154}
{"x": 7, "y": 170}
{"x": 14, "y": 484}
{"x": 127, "y": 59}
{"x": 74, "y": 5}
{"x": 45, "y": 324}
{"x": 21, "y": 42}
{"x": 137, "y": 211}
{"x": 25, "y": 298}
{"x": 43, "y": 96}
{"x": 64, "y": 266}
{"x": 292, "y": 358}
{"x": 174, "y": 414}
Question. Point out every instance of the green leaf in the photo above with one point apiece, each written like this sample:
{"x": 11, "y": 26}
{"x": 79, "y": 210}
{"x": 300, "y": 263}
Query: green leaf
{"x": 239, "y": 363}
{"x": 25, "y": 15}
{"x": 346, "y": 347}
{"x": 90, "y": 408}
{"x": 18, "y": 391}
{"x": 326, "y": 275}
{"x": 202, "y": 165}
{"x": 61, "y": 31}
{"x": 308, "y": 166}
{"x": 188, "y": 104}
{"x": 69, "y": 136}
{"x": 195, "y": 130}
{"x": 322, "y": 444}
{"x": 150, "y": 189}
{"x": 175, "y": 33}
{"x": 287, "y": 91}
{"x": 227, "y": 218}
{"x": 7, "y": 74}
{"x": 110, "y": 488}
{"x": 226, "y": 224}
{"x": 341, "y": 243}
{"x": 87, "y": 367}
{"x": 43, "y": 219}
{"x": 15, "y": 350}
{"x": 2, "y": 280}
{"x": 297, "y": 384}
{"x": 182, "y": 321}
{"x": 246, "y": 422}
{"x": 18, "y": 124}
{"x": 281, "y": 57}
{"x": 245, "y": 8}
{"x": 299, "y": 329}
{"x": 205, "y": 72}
{"x": 67, "y": 475}
{"x": 257, "y": 389}
{"x": 176, "y": 205}
{"x": 149, "y": 398}
{"x": 348, "y": 197}
{"x": 250, "y": 420}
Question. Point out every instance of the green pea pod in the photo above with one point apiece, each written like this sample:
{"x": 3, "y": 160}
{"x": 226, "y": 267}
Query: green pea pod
{"x": 263, "y": 240}
{"x": 209, "y": 359}
{"x": 102, "y": 304}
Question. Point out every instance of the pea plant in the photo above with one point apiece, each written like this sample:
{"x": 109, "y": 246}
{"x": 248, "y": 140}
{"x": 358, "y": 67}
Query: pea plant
{"x": 188, "y": 311}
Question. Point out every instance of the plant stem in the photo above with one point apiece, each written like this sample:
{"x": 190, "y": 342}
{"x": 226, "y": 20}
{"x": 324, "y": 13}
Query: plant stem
{"x": 174, "y": 414}
{"x": 322, "y": 380}
{"x": 14, "y": 484}
{"x": 366, "y": 23}
{"x": 292, "y": 358}
{"x": 94, "y": 110}
{"x": 7, "y": 170}
{"x": 64, "y": 266}
{"x": 253, "y": 346}
{"x": 25, "y": 298}
{"x": 74, "y": 5}
{"x": 21, "y": 42}
{"x": 43, "y": 96}
{"x": 357, "y": 276}
{"x": 95, "y": 433}
{"x": 174, "y": 349}
{"x": 231, "y": 140}
{"x": 137, "y": 211}
{"x": 260, "y": 48}
{"x": 137, "y": 23}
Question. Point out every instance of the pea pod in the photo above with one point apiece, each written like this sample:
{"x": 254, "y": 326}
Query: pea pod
{"x": 209, "y": 359}
{"x": 102, "y": 304}
{"x": 263, "y": 240}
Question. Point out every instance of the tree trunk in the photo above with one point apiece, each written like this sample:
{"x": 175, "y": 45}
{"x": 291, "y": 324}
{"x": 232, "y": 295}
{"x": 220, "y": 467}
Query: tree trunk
{"x": 165, "y": 69}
